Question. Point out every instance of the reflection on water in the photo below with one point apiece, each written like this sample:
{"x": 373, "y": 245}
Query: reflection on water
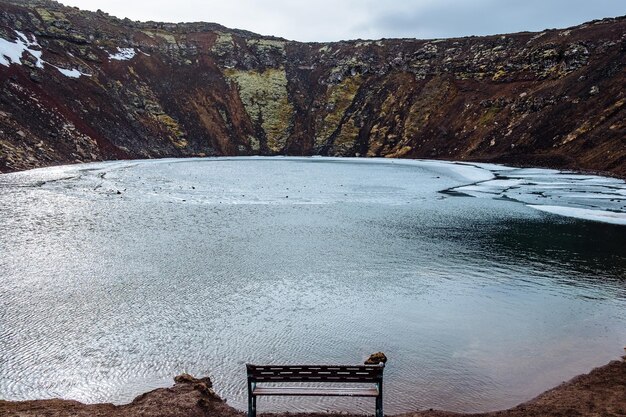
{"x": 592, "y": 253}
{"x": 117, "y": 276}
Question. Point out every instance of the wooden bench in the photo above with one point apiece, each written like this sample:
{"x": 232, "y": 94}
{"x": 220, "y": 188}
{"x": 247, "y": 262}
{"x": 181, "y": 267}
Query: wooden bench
{"x": 361, "y": 374}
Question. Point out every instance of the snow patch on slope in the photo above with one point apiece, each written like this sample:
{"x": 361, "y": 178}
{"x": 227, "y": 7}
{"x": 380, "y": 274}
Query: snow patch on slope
{"x": 72, "y": 73}
{"x": 123, "y": 54}
{"x": 11, "y": 52}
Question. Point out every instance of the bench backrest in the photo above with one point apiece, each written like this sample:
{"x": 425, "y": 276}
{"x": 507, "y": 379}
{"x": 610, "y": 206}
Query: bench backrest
{"x": 315, "y": 373}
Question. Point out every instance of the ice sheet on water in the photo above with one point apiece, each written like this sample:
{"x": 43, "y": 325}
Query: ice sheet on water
{"x": 533, "y": 187}
{"x": 469, "y": 172}
{"x": 575, "y": 195}
{"x": 532, "y": 172}
{"x": 491, "y": 167}
{"x": 472, "y": 173}
{"x": 586, "y": 214}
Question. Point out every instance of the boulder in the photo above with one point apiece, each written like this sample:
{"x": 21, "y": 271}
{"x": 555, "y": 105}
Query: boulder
{"x": 376, "y": 358}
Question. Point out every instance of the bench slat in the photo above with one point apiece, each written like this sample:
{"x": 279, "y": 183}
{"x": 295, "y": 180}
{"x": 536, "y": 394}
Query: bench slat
{"x": 316, "y": 391}
{"x": 304, "y": 373}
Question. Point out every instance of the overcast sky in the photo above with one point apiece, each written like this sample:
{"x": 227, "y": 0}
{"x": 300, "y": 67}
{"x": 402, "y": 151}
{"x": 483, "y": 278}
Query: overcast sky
{"x": 332, "y": 20}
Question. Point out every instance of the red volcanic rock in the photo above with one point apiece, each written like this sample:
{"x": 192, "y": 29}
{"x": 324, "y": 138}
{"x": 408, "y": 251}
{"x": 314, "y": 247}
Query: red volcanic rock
{"x": 89, "y": 86}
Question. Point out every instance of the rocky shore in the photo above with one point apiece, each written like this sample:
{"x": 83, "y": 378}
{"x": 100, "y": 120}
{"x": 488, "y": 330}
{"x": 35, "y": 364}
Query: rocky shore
{"x": 602, "y": 392}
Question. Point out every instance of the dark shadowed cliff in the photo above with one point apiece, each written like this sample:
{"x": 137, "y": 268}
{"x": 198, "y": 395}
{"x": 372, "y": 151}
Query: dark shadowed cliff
{"x": 83, "y": 86}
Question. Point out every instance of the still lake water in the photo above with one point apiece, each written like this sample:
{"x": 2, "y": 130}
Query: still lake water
{"x": 114, "y": 277}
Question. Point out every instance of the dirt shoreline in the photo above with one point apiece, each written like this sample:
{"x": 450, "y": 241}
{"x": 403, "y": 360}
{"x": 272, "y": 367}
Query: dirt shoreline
{"x": 601, "y": 392}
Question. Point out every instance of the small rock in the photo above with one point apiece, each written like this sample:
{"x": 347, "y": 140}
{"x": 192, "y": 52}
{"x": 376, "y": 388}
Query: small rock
{"x": 594, "y": 90}
{"x": 35, "y": 76}
{"x": 184, "y": 378}
{"x": 376, "y": 358}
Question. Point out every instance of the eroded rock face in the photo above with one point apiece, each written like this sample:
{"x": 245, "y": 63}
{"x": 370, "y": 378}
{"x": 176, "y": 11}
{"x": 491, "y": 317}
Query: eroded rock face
{"x": 87, "y": 86}
{"x": 189, "y": 397}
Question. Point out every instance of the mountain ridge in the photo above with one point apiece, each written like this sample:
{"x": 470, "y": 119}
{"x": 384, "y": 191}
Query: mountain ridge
{"x": 88, "y": 86}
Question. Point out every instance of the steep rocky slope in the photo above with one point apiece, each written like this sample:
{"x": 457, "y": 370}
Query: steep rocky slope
{"x": 81, "y": 86}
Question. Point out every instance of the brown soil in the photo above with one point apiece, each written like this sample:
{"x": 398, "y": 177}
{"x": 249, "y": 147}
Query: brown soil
{"x": 602, "y": 392}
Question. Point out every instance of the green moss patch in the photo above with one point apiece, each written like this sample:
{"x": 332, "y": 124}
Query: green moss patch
{"x": 264, "y": 96}
{"x": 339, "y": 98}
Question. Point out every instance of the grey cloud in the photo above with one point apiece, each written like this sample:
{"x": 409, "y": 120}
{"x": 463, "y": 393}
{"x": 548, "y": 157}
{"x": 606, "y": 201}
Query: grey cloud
{"x": 331, "y": 20}
{"x": 484, "y": 17}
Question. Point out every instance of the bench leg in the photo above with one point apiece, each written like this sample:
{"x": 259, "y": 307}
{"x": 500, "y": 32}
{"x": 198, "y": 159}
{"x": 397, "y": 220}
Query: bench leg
{"x": 379, "y": 406}
{"x": 251, "y": 406}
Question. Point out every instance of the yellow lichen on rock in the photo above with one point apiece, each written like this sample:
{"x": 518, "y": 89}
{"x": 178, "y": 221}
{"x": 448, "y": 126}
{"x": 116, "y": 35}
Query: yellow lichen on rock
{"x": 345, "y": 140}
{"x": 581, "y": 130}
{"x": 400, "y": 152}
{"x": 380, "y": 131}
{"x": 264, "y": 96}
{"x": 45, "y": 15}
{"x": 500, "y": 73}
{"x": 424, "y": 105}
{"x": 161, "y": 34}
{"x": 339, "y": 98}
{"x": 224, "y": 44}
{"x": 324, "y": 49}
{"x": 255, "y": 145}
{"x": 488, "y": 116}
{"x": 174, "y": 127}
{"x": 48, "y": 16}
{"x": 416, "y": 118}
{"x": 374, "y": 148}
{"x": 589, "y": 125}
{"x": 266, "y": 45}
